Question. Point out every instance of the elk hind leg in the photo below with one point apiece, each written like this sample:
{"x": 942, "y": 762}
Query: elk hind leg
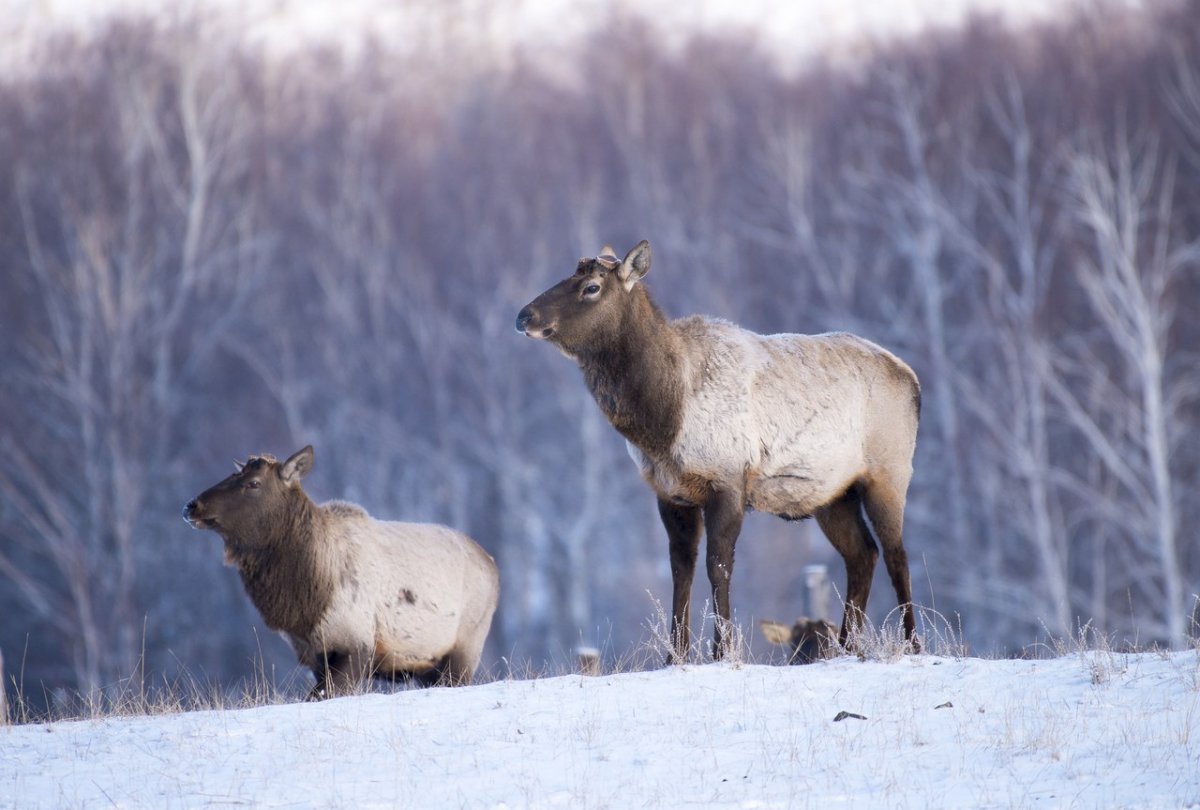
{"x": 458, "y": 668}
{"x": 843, "y": 523}
{"x": 884, "y": 504}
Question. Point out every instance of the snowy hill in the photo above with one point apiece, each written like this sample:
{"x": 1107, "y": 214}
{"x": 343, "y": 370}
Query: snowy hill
{"x": 1087, "y": 730}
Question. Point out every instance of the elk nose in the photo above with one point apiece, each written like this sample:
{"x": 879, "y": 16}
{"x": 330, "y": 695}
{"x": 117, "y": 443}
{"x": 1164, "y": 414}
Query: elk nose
{"x": 523, "y": 319}
{"x": 188, "y": 508}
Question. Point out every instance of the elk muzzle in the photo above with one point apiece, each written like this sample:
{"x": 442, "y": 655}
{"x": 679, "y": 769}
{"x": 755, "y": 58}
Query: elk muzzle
{"x": 529, "y": 324}
{"x": 190, "y": 516}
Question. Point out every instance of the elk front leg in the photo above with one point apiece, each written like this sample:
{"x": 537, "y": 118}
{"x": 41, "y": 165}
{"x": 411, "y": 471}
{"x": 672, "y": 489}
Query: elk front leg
{"x": 723, "y": 516}
{"x": 340, "y": 673}
{"x": 683, "y": 526}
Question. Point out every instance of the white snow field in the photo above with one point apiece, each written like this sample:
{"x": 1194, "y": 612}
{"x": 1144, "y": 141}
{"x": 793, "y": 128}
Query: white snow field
{"x": 1086, "y": 730}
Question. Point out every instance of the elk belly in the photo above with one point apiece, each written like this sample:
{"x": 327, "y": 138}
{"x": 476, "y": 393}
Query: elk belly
{"x": 391, "y": 660}
{"x": 793, "y": 497}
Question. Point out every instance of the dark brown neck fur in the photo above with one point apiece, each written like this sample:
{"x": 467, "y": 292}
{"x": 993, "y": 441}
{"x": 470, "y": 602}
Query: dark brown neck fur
{"x": 284, "y": 578}
{"x": 635, "y": 373}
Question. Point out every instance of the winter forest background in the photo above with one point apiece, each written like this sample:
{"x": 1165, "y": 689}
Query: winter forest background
{"x": 208, "y": 251}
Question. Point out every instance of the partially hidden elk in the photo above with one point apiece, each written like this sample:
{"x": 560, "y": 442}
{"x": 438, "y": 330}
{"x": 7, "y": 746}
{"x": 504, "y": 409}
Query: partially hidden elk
{"x": 721, "y": 420}
{"x": 356, "y": 597}
{"x": 807, "y": 640}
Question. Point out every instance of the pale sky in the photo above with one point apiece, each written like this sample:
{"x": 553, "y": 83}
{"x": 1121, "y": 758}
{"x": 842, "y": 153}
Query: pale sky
{"x": 790, "y": 30}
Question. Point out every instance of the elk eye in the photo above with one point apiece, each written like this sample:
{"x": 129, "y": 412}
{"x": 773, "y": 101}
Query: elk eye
{"x": 591, "y": 289}
{"x": 253, "y": 483}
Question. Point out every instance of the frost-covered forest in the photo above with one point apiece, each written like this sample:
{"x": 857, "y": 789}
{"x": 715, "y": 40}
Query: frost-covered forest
{"x": 208, "y": 251}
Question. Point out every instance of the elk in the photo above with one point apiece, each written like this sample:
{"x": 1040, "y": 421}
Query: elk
{"x": 807, "y": 639}
{"x": 721, "y": 420}
{"x": 356, "y": 597}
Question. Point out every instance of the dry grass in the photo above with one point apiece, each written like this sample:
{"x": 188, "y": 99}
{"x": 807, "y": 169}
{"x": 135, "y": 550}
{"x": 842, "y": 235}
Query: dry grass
{"x": 657, "y": 645}
{"x": 135, "y": 695}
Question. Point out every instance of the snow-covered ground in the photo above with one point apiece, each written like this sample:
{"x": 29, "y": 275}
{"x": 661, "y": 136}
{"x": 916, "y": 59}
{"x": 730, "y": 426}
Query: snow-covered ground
{"x": 1087, "y": 730}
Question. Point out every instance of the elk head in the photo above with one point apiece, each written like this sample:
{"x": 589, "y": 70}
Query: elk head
{"x": 246, "y": 504}
{"x": 591, "y": 301}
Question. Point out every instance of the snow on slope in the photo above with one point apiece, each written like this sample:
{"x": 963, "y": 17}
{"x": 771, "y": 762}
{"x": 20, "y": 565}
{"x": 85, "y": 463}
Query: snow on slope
{"x": 1090, "y": 730}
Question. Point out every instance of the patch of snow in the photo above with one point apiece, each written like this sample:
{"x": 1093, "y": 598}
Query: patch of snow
{"x": 1086, "y": 730}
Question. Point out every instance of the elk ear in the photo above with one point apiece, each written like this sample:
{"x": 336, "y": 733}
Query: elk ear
{"x": 635, "y": 266}
{"x": 775, "y": 632}
{"x": 238, "y": 465}
{"x": 297, "y": 466}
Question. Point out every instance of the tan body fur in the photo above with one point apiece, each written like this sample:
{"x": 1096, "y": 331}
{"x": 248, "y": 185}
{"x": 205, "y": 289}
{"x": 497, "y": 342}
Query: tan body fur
{"x": 799, "y": 418}
{"x": 413, "y": 598}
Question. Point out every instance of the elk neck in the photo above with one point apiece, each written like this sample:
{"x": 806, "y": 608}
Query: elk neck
{"x": 282, "y": 569}
{"x": 634, "y": 369}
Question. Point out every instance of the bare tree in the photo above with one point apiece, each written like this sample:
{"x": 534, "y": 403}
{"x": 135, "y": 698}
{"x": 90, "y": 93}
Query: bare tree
{"x": 1012, "y": 240}
{"x": 117, "y": 331}
{"x": 1121, "y": 387}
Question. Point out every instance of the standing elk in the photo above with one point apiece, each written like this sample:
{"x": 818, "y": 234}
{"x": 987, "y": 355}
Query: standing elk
{"x": 721, "y": 420}
{"x": 356, "y": 597}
